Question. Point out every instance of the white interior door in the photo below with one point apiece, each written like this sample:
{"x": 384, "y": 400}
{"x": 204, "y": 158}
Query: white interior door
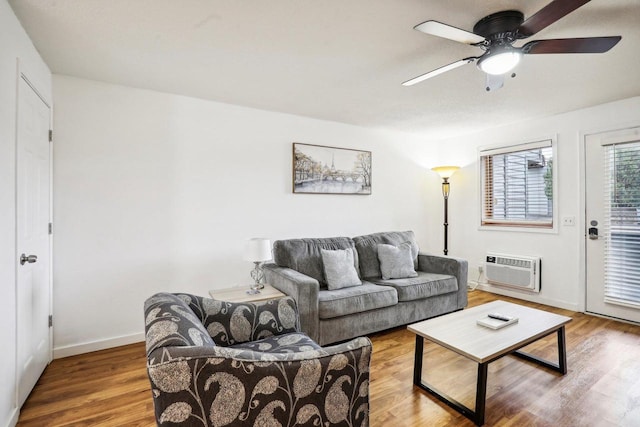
{"x": 613, "y": 223}
{"x": 33, "y": 246}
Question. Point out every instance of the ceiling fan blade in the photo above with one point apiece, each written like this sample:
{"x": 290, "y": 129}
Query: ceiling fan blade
{"x": 548, "y": 15}
{"x": 577, "y": 45}
{"x": 437, "y": 71}
{"x": 439, "y": 29}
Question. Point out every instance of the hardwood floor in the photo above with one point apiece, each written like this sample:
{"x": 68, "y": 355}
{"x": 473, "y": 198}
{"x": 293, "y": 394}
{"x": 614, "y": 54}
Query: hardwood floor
{"x": 602, "y": 387}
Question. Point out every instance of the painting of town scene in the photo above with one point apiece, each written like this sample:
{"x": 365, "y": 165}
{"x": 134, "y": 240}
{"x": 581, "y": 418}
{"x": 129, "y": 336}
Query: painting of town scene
{"x": 329, "y": 170}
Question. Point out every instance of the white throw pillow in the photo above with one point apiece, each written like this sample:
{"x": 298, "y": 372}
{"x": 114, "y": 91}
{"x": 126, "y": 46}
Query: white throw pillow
{"x": 339, "y": 268}
{"x": 396, "y": 262}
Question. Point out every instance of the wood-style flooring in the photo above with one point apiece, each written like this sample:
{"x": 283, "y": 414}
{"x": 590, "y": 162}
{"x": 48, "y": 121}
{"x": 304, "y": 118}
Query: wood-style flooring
{"x": 602, "y": 387}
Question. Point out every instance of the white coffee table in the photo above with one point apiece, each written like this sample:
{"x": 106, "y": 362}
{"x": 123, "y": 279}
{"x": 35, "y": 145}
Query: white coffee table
{"x": 459, "y": 332}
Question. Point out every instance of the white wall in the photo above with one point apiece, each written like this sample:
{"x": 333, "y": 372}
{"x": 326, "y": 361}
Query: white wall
{"x": 562, "y": 252}
{"x": 157, "y": 192}
{"x": 14, "y": 44}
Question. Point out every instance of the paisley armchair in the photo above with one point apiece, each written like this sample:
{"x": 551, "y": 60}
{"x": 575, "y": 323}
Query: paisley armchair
{"x": 217, "y": 363}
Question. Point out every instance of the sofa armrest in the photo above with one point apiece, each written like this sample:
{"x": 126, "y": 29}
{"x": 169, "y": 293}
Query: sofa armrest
{"x": 447, "y": 265}
{"x": 227, "y": 386}
{"x": 303, "y": 289}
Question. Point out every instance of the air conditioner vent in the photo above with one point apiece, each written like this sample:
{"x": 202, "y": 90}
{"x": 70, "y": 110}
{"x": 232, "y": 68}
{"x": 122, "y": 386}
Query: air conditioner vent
{"x": 515, "y": 262}
{"x": 513, "y": 271}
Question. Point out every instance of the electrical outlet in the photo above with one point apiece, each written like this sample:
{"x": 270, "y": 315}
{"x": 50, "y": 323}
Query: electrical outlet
{"x": 480, "y": 269}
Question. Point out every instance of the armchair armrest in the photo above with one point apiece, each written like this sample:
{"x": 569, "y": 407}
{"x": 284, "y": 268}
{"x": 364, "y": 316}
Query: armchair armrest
{"x": 447, "y": 265}
{"x": 169, "y": 322}
{"x": 303, "y": 289}
{"x": 228, "y": 386}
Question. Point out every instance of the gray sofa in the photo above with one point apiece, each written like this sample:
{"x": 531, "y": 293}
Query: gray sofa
{"x": 333, "y": 315}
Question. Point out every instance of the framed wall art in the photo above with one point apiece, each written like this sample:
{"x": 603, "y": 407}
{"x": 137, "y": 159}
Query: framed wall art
{"x": 318, "y": 169}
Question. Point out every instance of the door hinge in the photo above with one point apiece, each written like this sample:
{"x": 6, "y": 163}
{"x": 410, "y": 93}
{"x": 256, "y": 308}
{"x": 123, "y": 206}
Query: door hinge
{"x": 50, "y": 228}
{"x": 50, "y": 320}
{"x": 50, "y": 135}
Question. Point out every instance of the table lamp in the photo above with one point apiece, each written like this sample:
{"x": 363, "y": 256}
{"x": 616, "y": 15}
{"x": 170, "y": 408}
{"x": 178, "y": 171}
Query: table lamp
{"x": 257, "y": 250}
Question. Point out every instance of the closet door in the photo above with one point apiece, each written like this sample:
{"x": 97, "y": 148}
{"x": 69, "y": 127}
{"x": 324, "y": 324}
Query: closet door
{"x": 33, "y": 246}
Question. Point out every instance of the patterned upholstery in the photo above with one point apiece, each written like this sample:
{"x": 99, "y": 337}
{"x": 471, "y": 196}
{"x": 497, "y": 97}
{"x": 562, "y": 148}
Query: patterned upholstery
{"x": 230, "y": 323}
{"x": 247, "y": 364}
{"x": 169, "y": 323}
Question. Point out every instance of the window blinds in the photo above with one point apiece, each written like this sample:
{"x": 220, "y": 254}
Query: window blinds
{"x": 622, "y": 223}
{"x": 518, "y": 185}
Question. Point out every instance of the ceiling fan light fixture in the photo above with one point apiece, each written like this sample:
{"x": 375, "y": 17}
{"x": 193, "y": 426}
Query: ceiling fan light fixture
{"x": 500, "y": 62}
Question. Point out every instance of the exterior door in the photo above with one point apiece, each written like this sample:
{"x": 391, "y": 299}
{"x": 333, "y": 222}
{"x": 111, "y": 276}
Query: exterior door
{"x": 613, "y": 223}
{"x": 33, "y": 291}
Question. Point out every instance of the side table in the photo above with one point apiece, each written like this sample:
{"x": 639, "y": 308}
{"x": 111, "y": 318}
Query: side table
{"x": 239, "y": 294}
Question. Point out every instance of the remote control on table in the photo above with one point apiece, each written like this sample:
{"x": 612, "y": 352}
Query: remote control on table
{"x": 499, "y": 316}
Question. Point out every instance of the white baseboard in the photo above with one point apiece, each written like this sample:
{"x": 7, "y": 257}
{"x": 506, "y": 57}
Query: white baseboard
{"x": 13, "y": 418}
{"x": 532, "y": 297}
{"x": 72, "y": 350}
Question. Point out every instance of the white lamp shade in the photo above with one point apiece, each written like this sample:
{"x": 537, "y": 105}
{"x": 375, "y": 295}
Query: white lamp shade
{"x": 257, "y": 250}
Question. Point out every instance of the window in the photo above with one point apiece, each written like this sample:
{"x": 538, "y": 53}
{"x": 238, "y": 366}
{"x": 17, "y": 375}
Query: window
{"x": 517, "y": 185}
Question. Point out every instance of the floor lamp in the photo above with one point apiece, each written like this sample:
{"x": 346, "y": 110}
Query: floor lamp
{"x": 445, "y": 172}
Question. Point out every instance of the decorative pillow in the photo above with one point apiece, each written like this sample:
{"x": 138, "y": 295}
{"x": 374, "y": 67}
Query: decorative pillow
{"x": 339, "y": 268}
{"x": 396, "y": 262}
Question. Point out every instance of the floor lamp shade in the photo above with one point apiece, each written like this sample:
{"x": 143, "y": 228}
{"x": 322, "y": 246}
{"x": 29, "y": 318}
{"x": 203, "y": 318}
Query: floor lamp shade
{"x": 445, "y": 172}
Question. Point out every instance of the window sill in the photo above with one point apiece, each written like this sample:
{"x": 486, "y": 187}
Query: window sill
{"x": 519, "y": 229}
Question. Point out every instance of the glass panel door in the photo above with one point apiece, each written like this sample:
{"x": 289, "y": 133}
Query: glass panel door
{"x": 612, "y": 184}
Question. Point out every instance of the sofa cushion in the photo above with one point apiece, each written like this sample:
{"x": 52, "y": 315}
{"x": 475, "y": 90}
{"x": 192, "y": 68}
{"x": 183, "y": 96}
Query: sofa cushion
{"x": 425, "y": 285}
{"x": 303, "y": 255}
{"x": 396, "y": 262}
{"x": 367, "y": 247}
{"x": 355, "y": 299}
{"x": 339, "y": 269}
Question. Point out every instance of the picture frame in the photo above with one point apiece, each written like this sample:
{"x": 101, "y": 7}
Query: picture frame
{"x": 320, "y": 169}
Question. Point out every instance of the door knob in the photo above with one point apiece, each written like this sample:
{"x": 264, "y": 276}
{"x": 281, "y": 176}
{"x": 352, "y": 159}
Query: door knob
{"x": 30, "y": 259}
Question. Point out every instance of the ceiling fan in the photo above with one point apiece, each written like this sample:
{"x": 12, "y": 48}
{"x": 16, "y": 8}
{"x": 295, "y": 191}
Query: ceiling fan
{"x": 496, "y": 34}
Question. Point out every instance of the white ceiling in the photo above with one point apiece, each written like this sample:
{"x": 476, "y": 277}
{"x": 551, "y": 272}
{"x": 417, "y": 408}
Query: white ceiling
{"x": 340, "y": 60}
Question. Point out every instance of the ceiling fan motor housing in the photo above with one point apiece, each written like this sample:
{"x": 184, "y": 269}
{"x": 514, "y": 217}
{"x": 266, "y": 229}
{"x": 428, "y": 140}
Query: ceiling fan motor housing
{"x": 500, "y": 27}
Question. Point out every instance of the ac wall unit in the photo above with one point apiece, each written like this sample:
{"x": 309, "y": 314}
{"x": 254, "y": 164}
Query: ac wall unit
{"x": 513, "y": 271}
